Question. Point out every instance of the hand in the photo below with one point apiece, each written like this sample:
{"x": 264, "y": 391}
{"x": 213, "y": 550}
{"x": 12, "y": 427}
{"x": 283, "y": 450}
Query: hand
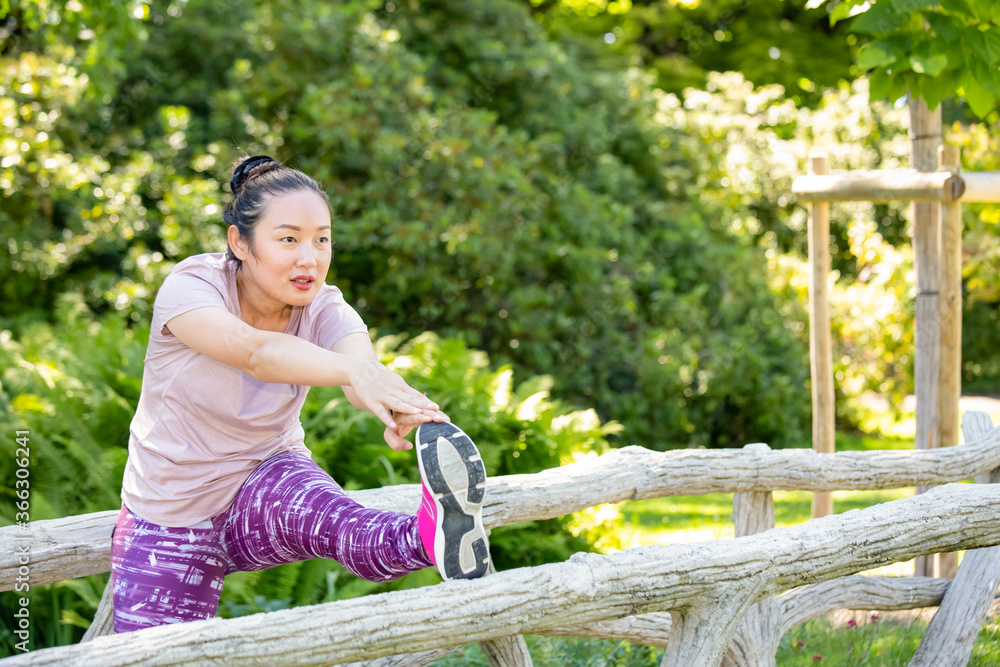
{"x": 380, "y": 391}
{"x": 406, "y": 423}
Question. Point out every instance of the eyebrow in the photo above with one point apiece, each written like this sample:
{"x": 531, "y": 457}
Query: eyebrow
{"x": 285, "y": 225}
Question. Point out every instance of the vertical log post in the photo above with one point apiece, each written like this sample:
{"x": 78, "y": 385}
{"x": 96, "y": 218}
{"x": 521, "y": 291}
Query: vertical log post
{"x": 925, "y": 138}
{"x": 756, "y": 639}
{"x": 956, "y": 624}
{"x": 820, "y": 349}
{"x": 950, "y": 314}
{"x": 506, "y": 651}
{"x": 104, "y": 618}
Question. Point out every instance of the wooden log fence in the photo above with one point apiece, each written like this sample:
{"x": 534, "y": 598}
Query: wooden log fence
{"x": 719, "y": 602}
{"x": 937, "y": 187}
{"x": 709, "y": 582}
{"x": 79, "y": 546}
{"x": 953, "y": 630}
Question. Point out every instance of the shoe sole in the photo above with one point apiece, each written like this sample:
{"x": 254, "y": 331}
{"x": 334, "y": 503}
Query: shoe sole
{"x": 456, "y": 477}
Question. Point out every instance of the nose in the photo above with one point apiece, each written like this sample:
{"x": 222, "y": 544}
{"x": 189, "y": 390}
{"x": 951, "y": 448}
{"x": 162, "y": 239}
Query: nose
{"x": 307, "y": 258}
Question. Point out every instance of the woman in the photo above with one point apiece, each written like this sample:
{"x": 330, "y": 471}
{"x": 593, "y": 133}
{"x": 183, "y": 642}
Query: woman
{"x": 218, "y": 479}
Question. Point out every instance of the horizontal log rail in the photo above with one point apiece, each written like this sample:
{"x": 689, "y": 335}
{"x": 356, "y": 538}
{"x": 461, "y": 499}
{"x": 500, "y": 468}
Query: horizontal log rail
{"x": 868, "y": 593}
{"x": 586, "y": 589}
{"x": 981, "y": 187}
{"x": 883, "y": 185}
{"x": 81, "y": 545}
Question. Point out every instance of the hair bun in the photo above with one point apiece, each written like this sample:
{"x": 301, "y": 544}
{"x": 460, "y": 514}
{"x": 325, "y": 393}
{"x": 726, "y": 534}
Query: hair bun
{"x": 247, "y": 169}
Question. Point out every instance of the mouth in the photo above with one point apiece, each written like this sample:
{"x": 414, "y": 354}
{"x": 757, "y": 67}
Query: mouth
{"x": 303, "y": 282}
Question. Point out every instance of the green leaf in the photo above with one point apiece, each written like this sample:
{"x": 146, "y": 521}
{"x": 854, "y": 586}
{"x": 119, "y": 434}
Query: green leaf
{"x": 845, "y": 10}
{"x": 956, "y": 58}
{"x": 879, "y": 19}
{"x": 928, "y": 63}
{"x": 982, "y": 10}
{"x": 898, "y": 89}
{"x": 960, "y": 7}
{"x": 875, "y": 55}
{"x": 976, "y": 43}
{"x": 914, "y": 84}
{"x": 980, "y": 100}
{"x": 934, "y": 90}
{"x": 984, "y": 75}
{"x": 948, "y": 27}
{"x": 990, "y": 45}
{"x": 904, "y": 6}
{"x": 879, "y": 84}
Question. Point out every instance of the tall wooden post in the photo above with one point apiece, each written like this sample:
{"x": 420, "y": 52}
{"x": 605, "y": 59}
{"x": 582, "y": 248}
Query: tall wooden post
{"x": 925, "y": 138}
{"x": 820, "y": 348}
{"x": 759, "y": 632}
{"x": 950, "y": 315}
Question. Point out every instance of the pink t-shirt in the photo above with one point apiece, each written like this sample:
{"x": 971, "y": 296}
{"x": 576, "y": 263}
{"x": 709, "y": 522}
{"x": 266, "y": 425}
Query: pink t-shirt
{"x": 201, "y": 427}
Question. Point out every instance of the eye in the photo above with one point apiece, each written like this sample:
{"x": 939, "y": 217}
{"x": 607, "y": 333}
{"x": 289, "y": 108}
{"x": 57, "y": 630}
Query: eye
{"x": 290, "y": 239}
{"x": 325, "y": 240}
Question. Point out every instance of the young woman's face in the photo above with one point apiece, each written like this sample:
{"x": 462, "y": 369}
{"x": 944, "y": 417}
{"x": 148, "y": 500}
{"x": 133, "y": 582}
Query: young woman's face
{"x": 292, "y": 250}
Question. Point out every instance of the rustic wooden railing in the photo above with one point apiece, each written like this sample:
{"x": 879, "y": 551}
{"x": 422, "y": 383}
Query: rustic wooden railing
{"x": 718, "y": 602}
{"x": 937, "y": 198}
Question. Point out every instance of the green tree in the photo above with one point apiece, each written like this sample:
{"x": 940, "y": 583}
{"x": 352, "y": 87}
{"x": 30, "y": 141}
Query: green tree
{"x": 933, "y": 49}
{"x": 786, "y": 42}
{"x": 489, "y": 182}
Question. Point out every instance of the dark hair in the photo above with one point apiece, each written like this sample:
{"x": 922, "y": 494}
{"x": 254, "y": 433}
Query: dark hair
{"x": 256, "y": 180}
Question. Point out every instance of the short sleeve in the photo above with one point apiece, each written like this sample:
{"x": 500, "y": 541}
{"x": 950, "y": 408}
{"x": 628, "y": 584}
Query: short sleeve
{"x": 333, "y": 318}
{"x": 191, "y": 285}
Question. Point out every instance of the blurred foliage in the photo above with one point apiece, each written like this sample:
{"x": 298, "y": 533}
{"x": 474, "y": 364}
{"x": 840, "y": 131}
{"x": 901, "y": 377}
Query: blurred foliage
{"x": 931, "y": 49}
{"x": 489, "y": 183}
{"x": 493, "y": 180}
{"x": 72, "y": 387}
{"x": 754, "y": 142}
{"x": 786, "y": 42}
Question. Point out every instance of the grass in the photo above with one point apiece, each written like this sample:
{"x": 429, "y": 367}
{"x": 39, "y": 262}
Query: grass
{"x": 868, "y": 639}
{"x": 849, "y": 639}
{"x": 566, "y": 651}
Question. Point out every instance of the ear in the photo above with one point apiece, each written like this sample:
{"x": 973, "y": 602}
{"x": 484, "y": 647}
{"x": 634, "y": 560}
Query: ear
{"x": 236, "y": 243}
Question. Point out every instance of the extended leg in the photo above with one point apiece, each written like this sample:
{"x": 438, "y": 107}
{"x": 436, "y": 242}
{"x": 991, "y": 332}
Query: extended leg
{"x": 290, "y": 510}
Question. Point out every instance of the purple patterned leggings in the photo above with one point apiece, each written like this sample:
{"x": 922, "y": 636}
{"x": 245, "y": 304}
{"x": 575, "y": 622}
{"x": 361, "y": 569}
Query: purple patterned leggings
{"x": 288, "y": 510}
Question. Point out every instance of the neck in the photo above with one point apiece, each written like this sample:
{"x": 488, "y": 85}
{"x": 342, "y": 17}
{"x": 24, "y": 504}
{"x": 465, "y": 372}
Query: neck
{"x": 258, "y": 310}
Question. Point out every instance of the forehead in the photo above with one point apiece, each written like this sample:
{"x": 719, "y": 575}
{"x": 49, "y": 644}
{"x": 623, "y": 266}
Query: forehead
{"x": 302, "y": 209}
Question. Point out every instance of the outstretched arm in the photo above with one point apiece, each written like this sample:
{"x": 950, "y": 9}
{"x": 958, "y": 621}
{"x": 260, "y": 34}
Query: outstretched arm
{"x": 282, "y": 358}
{"x": 359, "y": 346}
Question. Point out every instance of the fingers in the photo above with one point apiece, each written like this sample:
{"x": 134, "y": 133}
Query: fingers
{"x": 383, "y": 413}
{"x": 391, "y": 389}
{"x": 412, "y": 401}
{"x": 436, "y": 416}
{"x": 387, "y": 395}
{"x": 395, "y": 441}
{"x": 403, "y": 424}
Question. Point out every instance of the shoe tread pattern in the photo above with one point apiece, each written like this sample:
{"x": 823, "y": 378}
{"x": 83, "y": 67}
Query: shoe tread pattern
{"x": 458, "y": 520}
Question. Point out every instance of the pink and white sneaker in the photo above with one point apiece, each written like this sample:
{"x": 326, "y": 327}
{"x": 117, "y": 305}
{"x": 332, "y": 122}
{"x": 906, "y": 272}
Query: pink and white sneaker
{"x": 450, "y": 518}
